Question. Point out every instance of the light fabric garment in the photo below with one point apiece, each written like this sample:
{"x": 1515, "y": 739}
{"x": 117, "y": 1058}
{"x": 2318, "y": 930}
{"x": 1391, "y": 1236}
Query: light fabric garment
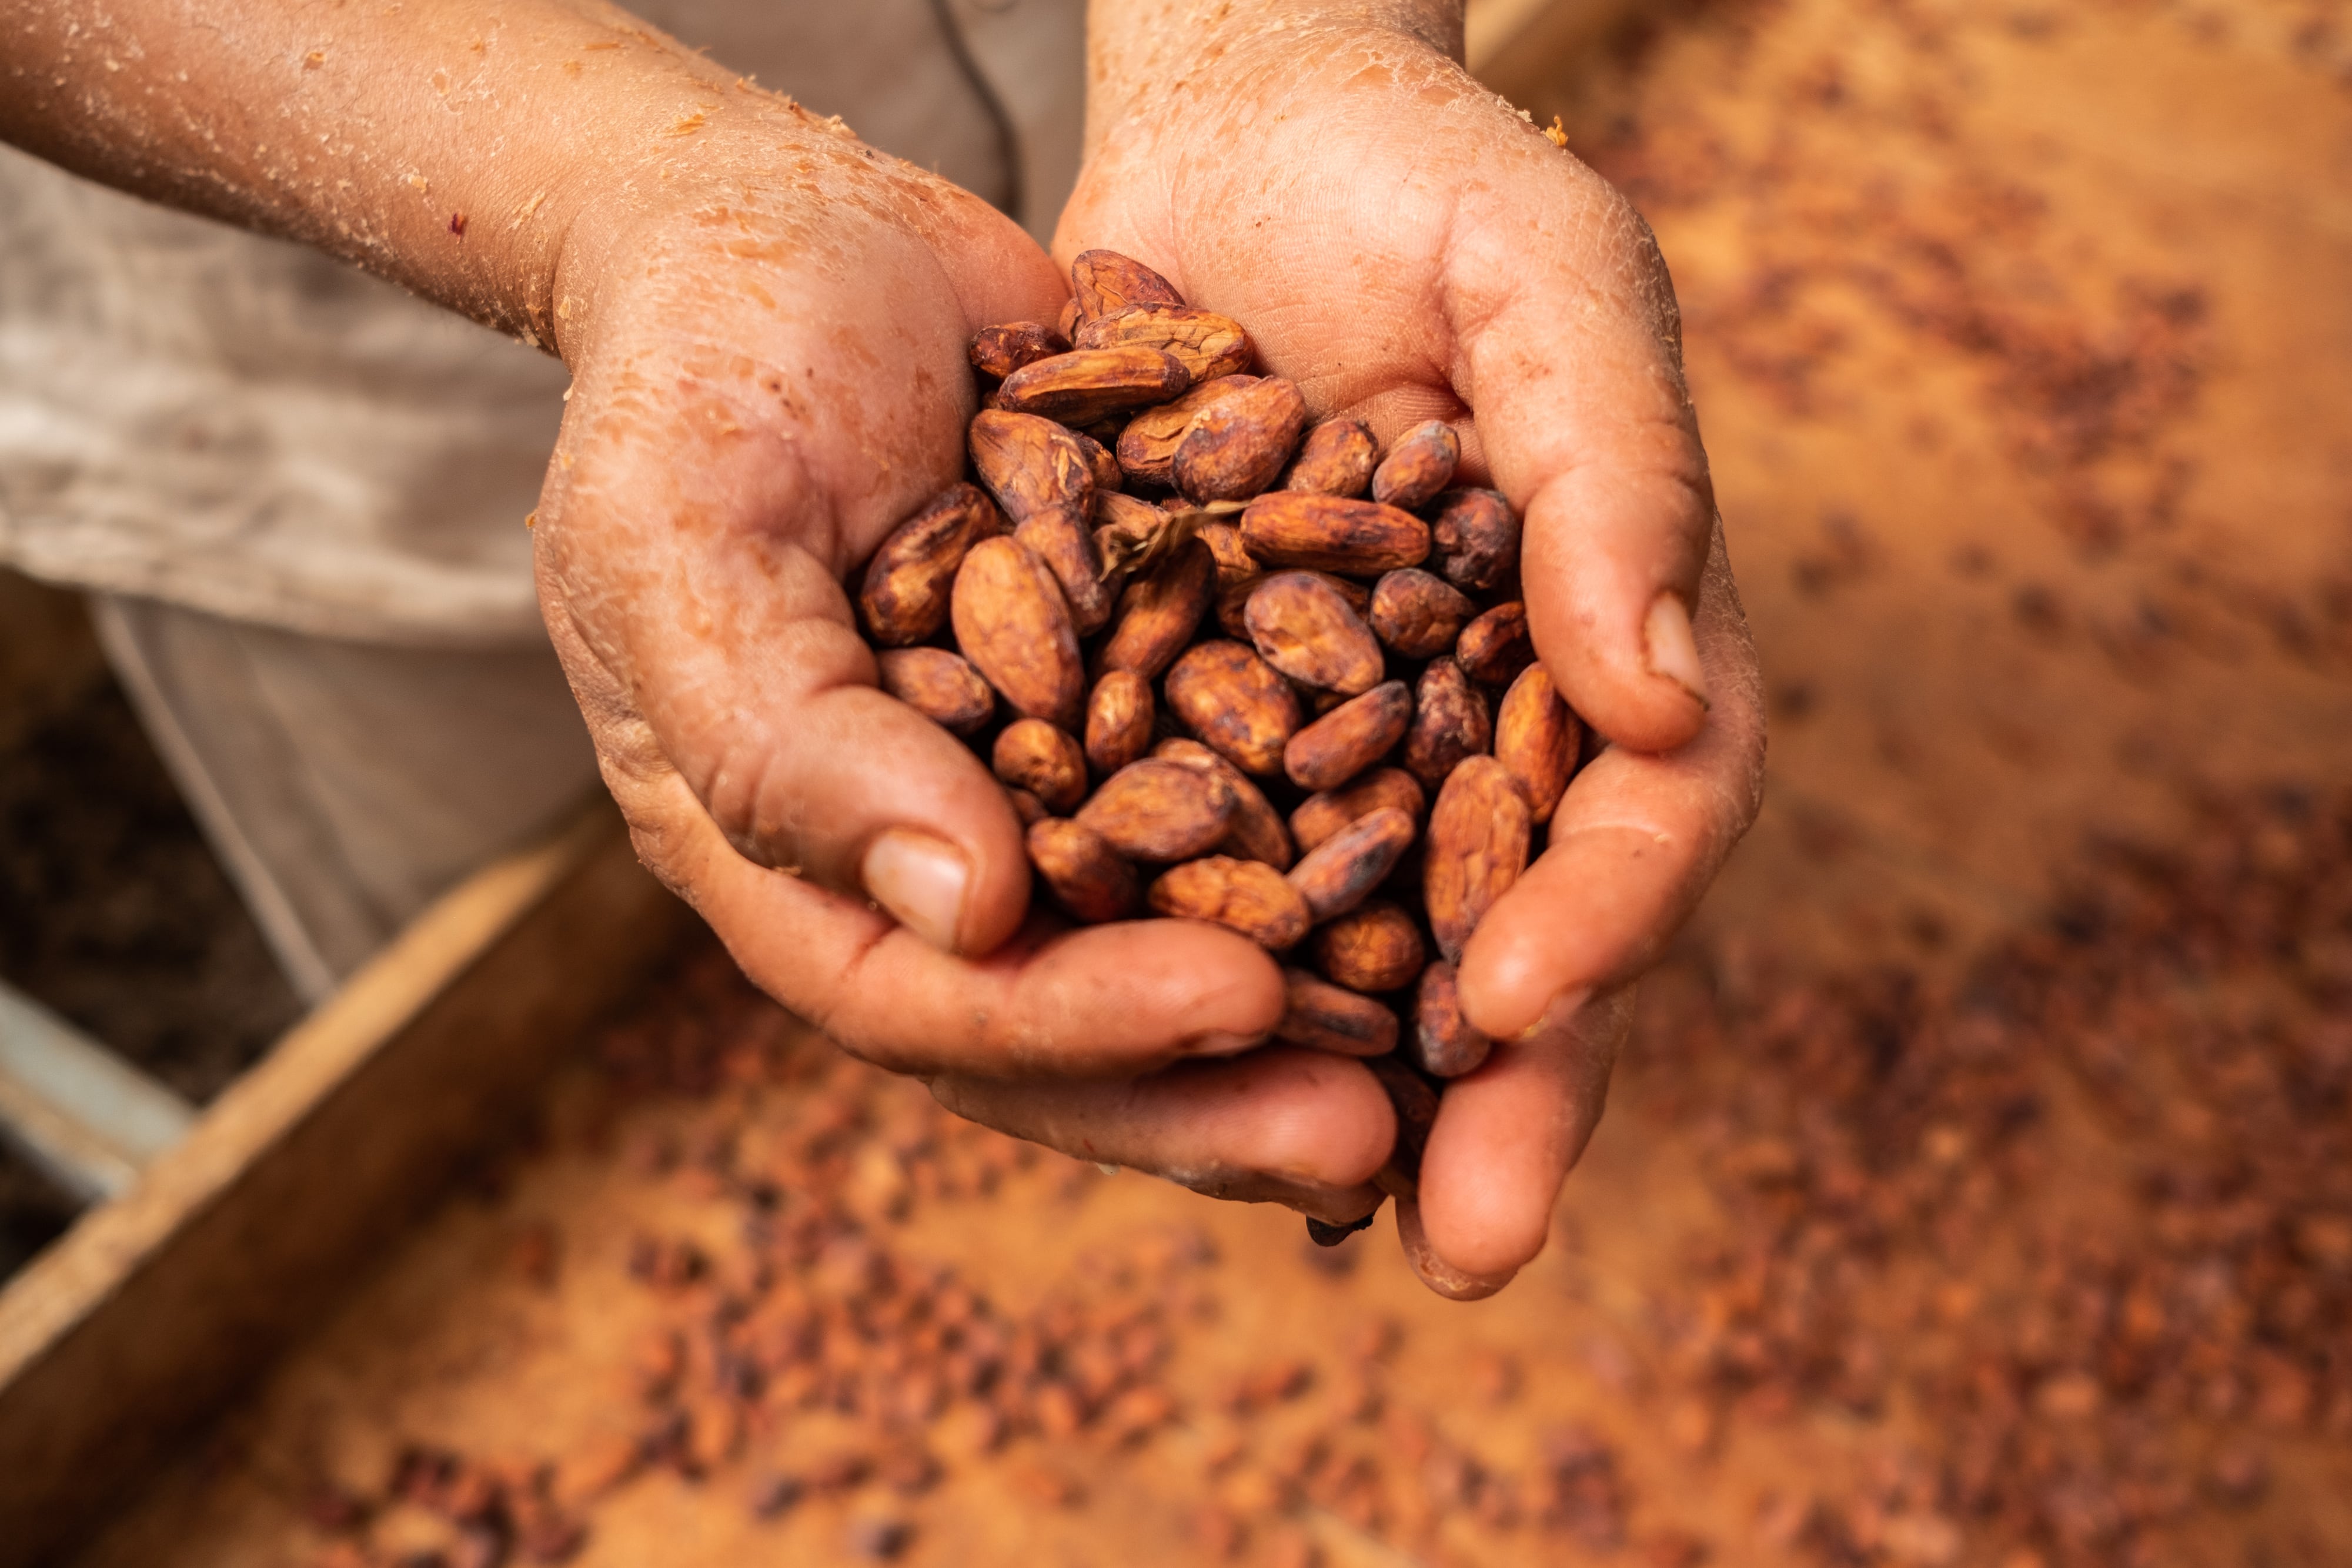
{"x": 298, "y": 492}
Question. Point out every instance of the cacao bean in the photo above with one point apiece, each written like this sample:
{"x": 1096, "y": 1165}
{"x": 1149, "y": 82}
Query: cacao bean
{"x": 1375, "y": 947}
{"x": 1418, "y": 614}
{"x": 1000, "y": 350}
{"x": 1082, "y": 870}
{"x": 1103, "y": 281}
{"x": 1101, "y": 461}
{"x": 1537, "y": 737}
{"x": 1449, "y": 723}
{"x": 1234, "y": 703}
{"x": 1414, "y": 1100}
{"x": 1354, "y": 538}
{"x": 1322, "y": 815}
{"x": 1336, "y": 459}
{"x": 1203, "y": 343}
{"x": 1059, "y": 537}
{"x": 1088, "y": 384}
{"x": 1158, "y": 811}
{"x": 1011, "y": 621}
{"x": 1158, "y": 615}
{"x": 1349, "y": 739}
{"x": 1029, "y": 464}
{"x": 1496, "y": 647}
{"x": 1321, "y": 1016}
{"x": 938, "y": 685}
{"x": 1341, "y": 871}
{"x": 1475, "y": 849}
{"x": 1418, "y": 466}
{"x": 1148, "y": 444}
{"x": 1303, "y": 626}
{"x": 1245, "y": 896}
{"x": 1236, "y": 446}
{"x": 1066, "y": 323}
{"x": 1255, "y": 832}
{"x": 905, "y": 596}
{"x": 1444, "y": 1043}
{"x": 1477, "y": 540}
{"x": 1234, "y": 562}
{"x": 1119, "y": 721}
{"x": 1032, "y": 755}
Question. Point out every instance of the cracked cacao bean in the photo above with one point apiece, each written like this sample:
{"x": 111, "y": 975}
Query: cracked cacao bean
{"x": 1255, "y": 832}
{"x": 1103, "y": 281}
{"x": 1029, "y": 464}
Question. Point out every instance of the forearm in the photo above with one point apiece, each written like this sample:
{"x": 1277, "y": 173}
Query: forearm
{"x": 1141, "y": 49}
{"x": 450, "y": 147}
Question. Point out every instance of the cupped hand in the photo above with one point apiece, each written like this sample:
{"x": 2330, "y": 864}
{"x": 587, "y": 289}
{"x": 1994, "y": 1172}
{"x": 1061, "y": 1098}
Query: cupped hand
{"x": 1406, "y": 246}
{"x": 768, "y": 346}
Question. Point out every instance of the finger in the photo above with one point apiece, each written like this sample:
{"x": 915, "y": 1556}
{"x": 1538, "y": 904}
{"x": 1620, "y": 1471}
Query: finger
{"x": 1571, "y": 361}
{"x": 1300, "y": 1128}
{"x": 1506, "y": 1137}
{"x": 1633, "y": 846}
{"x": 703, "y": 509}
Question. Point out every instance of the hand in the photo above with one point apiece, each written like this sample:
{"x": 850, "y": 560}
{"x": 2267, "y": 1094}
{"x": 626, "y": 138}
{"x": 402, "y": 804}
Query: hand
{"x": 769, "y": 375}
{"x": 1405, "y": 246}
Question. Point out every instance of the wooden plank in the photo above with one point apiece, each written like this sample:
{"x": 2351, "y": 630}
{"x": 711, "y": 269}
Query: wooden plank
{"x": 159, "y": 1306}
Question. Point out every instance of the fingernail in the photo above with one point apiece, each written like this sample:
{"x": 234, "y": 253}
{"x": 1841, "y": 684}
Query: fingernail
{"x": 1220, "y": 1042}
{"x": 1673, "y": 652}
{"x": 1558, "y": 1012}
{"x": 921, "y": 881}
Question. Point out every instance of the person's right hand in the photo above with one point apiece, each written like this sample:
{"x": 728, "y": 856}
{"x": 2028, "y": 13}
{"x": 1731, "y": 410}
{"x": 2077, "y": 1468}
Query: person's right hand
{"x": 768, "y": 348}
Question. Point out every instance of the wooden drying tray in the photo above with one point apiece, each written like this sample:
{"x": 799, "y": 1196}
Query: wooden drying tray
{"x": 156, "y": 1309}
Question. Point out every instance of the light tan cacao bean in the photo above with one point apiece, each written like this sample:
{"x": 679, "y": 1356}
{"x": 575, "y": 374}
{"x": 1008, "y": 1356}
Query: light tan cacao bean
{"x": 1158, "y": 811}
{"x": 1255, "y": 832}
{"x": 1375, "y": 947}
{"x": 1148, "y": 444}
{"x": 1236, "y": 447}
{"x": 1060, "y": 538}
{"x": 1494, "y": 648}
{"x": 1321, "y": 1016}
{"x": 1000, "y": 350}
{"x": 1102, "y": 282}
{"x": 1450, "y": 722}
{"x": 1158, "y": 615}
{"x": 1477, "y": 540}
{"x": 1119, "y": 721}
{"x": 1354, "y": 538}
{"x": 1336, "y": 459}
{"x": 1304, "y": 627}
{"x": 1349, "y": 739}
{"x": 937, "y": 684}
{"x": 1475, "y": 849}
{"x": 1013, "y": 623}
{"x": 1234, "y": 703}
{"x": 1029, "y": 464}
{"x": 1341, "y": 871}
{"x": 1419, "y": 614}
{"x": 1205, "y": 343}
{"x": 1537, "y": 737}
{"x": 1032, "y": 755}
{"x": 1082, "y": 870}
{"x": 1321, "y": 815}
{"x": 1245, "y": 896}
{"x": 1444, "y": 1043}
{"x": 1088, "y": 384}
{"x": 905, "y": 596}
{"x": 1418, "y": 466}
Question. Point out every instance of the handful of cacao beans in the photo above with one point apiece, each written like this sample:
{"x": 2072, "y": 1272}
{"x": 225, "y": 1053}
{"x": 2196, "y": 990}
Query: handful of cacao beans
{"x": 1232, "y": 666}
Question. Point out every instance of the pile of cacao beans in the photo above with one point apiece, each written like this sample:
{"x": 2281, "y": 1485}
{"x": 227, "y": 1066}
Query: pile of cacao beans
{"x": 1234, "y": 667}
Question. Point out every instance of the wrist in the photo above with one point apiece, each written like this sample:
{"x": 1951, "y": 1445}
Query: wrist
{"x": 1151, "y": 58}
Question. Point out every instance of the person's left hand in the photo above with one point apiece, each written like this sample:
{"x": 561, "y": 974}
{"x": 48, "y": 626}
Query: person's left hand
{"x": 1406, "y": 246}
